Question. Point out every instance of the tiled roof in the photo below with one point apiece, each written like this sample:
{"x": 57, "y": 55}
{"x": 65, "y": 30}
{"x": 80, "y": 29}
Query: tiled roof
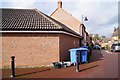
{"x": 30, "y": 20}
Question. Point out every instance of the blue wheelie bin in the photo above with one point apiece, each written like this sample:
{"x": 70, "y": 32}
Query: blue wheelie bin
{"x": 84, "y": 53}
{"x": 73, "y": 55}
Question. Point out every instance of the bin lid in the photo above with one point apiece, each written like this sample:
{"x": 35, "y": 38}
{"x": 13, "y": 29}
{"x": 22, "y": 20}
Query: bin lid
{"x": 76, "y": 49}
{"x": 84, "y": 47}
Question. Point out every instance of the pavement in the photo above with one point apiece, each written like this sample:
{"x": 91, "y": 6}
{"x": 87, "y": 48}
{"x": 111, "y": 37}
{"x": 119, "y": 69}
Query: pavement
{"x": 103, "y": 64}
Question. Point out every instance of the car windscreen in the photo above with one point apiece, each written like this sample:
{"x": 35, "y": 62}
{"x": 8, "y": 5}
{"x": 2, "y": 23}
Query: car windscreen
{"x": 114, "y": 45}
{"x": 118, "y": 44}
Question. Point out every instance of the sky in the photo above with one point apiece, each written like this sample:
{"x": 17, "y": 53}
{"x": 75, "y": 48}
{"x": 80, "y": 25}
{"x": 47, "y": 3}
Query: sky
{"x": 102, "y": 14}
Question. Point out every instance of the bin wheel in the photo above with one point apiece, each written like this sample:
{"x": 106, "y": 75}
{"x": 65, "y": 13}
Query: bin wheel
{"x": 74, "y": 64}
{"x": 87, "y": 62}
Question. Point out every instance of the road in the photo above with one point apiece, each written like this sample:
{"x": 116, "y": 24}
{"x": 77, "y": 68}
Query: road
{"x": 107, "y": 64}
{"x": 103, "y": 64}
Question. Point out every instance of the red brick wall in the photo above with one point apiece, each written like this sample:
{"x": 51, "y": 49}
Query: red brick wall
{"x": 0, "y": 50}
{"x": 30, "y": 49}
{"x": 67, "y": 42}
{"x": 36, "y": 49}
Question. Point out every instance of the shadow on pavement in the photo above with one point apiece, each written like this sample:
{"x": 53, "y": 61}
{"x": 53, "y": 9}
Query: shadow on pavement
{"x": 96, "y": 55}
{"x": 89, "y": 68}
{"x": 32, "y": 72}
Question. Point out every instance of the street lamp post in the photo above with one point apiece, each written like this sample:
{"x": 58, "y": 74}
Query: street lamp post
{"x": 84, "y": 18}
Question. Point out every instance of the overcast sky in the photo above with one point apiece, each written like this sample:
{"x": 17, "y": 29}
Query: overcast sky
{"x": 102, "y": 14}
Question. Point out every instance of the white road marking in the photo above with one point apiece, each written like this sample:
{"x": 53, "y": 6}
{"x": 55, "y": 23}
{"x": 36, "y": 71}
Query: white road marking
{"x": 108, "y": 52}
{"x": 111, "y": 52}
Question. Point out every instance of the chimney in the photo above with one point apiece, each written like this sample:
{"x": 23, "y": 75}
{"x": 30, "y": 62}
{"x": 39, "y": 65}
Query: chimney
{"x": 59, "y": 4}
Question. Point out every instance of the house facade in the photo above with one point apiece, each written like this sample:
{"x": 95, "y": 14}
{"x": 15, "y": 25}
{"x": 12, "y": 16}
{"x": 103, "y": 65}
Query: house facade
{"x": 34, "y": 38}
{"x": 67, "y": 19}
{"x": 106, "y": 43}
{"x": 116, "y": 35}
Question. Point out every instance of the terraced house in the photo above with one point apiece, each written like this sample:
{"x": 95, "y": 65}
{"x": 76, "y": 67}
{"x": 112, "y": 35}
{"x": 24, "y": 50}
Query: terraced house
{"x": 34, "y": 38}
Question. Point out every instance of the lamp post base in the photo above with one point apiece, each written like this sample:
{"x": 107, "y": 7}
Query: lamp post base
{"x": 12, "y": 76}
{"x": 77, "y": 71}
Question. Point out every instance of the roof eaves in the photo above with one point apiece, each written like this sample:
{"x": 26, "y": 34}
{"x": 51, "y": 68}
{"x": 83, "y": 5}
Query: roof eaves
{"x": 59, "y": 32}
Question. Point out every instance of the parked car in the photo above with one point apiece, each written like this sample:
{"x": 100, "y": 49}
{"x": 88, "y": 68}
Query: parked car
{"x": 97, "y": 47}
{"x": 115, "y": 47}
{"x": 103, "y": 48}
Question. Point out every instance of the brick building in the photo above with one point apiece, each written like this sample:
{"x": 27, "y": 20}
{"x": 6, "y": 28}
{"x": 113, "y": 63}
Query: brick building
{"x": 34, "y": 38}
{"x": 67, "y": 19}
{"x": 116, "y": 35}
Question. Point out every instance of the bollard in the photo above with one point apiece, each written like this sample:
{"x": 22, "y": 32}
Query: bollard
{"x": 12, "y": 67}
{"x": 77, "y": 63}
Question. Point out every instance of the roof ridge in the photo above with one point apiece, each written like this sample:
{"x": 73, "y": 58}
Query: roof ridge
{"x": 46, "y": 16}
{"x": 19, "y": 8}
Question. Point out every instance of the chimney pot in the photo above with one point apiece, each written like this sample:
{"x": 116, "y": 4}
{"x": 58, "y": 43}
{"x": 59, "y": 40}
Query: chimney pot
{"x": 59, "y": 4}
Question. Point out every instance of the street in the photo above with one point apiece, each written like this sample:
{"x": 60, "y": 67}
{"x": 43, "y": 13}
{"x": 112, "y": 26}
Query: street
{"x": 42, "y": 39}
{"x": 104, "y": 64}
